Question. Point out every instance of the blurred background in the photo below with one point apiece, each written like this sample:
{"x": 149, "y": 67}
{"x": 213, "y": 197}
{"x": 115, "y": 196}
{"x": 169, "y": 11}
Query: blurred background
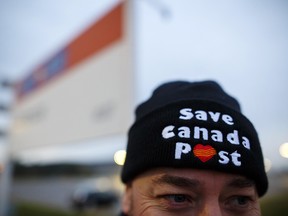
{"x": 71, "y": 73}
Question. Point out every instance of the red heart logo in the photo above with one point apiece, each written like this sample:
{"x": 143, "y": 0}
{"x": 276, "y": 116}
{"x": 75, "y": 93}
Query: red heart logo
{"x": 204, "y": 153}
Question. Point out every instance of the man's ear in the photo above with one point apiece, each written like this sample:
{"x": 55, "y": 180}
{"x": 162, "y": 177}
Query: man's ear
{"x": 127, "y": 200}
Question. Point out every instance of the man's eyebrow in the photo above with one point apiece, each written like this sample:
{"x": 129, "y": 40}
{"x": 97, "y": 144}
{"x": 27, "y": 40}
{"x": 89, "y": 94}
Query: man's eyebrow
{"x": 177, "y": 181}
{"x": 241, "y": 183}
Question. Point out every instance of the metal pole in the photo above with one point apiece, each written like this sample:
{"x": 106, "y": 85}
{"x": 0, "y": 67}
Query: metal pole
{"x": 6, "y": 177}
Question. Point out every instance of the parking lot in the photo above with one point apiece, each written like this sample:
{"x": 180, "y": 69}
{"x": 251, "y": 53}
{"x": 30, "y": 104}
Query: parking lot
{"x": 55, "y": 192}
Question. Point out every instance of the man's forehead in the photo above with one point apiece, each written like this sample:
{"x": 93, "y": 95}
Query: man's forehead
{"x": 195, "y": 178}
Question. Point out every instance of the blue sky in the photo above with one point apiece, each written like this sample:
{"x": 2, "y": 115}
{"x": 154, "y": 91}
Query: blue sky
{"x": 241, "y": 44}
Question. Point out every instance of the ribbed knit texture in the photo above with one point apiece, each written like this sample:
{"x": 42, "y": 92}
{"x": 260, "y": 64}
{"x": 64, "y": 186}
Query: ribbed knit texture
{"x": 194, "y": 125}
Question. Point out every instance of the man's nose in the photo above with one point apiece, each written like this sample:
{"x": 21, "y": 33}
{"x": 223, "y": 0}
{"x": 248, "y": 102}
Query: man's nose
{"x": 211, "y": 209}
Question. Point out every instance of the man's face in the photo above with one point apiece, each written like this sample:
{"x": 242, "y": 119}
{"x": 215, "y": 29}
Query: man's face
{"x": 169, "y": 192}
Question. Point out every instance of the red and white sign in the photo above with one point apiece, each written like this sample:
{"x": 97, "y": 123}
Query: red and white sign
{"x": 84, "y": 91}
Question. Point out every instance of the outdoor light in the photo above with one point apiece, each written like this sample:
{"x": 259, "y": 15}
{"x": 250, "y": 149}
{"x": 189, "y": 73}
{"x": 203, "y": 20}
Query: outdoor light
{"x": 268, "y": 164}
{"x": 119, "y": 157}
{"x": 284, "y": 150}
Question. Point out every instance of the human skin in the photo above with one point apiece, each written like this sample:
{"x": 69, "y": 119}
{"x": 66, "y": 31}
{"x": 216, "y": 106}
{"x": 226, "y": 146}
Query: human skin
{"x": 169, "y": 192}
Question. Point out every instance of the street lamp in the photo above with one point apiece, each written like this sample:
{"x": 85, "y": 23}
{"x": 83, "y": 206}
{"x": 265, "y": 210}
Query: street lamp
{"x": 283, "y": 150}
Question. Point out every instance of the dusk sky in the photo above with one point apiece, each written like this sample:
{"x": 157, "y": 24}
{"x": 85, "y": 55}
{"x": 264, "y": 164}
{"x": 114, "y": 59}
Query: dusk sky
{"x": 241, "y": 44}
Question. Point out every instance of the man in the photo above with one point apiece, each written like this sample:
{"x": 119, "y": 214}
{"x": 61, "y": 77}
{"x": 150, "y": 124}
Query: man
{"x": 191, "y": 152}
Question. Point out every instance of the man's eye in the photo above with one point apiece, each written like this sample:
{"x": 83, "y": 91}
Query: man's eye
{"x": 242, "y": 200}
{"x": 177, "y": 198}
{"x": 239, "y": 202}
{"x": 177, "y": 202}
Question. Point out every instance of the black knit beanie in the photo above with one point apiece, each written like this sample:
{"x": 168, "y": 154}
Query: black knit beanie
{"x": 194, "y": 125}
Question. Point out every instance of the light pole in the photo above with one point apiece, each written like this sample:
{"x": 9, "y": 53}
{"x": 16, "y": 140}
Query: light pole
{"x": 6, "y": 171}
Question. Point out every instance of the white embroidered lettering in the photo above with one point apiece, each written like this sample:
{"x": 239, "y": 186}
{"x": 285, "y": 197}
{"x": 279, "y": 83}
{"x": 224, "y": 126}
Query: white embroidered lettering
{"x": 223, "y": 157}
{"x": 184, "y": 132}
{"x": 204, "y": 133}
{"x": 186, "y": 114}
{"x": 201, "y": 115}
{"x": 227, "y": 119}
{"x": 217, "y": 136}
{"x": 246, "y": 142}
{"x": 181, "y": 148}
{"x": 235, "y": 155}
{"x": 233, "y": 137}
{"x": 167, "y": 132}
{"x": 214, "y": 116}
